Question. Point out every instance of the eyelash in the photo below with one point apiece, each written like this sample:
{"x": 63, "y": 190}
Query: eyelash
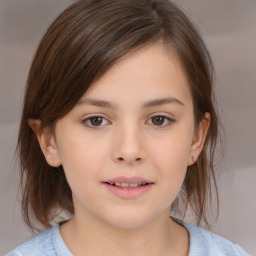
{"x": 167, "y": 119}
{"x": 89, "y": 119}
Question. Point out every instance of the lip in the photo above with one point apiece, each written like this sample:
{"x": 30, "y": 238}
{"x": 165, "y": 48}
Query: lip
{"x": 128, "y": 180}
{"x": 127, "y": 192}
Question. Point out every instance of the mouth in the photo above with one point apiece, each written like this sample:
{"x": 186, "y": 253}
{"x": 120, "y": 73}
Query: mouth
{"x": 128, "y": 187}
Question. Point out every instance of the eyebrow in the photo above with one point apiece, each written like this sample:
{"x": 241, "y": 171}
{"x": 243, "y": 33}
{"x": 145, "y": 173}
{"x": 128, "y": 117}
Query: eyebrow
{"x": 147, "y": 104}
{"x": 162, "y": 101}
{"x": 95, "y": 102}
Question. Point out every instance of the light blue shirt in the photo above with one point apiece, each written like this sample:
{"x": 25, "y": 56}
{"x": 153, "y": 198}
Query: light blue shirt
{"x": 202, "y": 243}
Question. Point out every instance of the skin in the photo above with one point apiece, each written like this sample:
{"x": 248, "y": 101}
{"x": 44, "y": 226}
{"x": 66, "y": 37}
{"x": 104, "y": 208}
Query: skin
{"x": 128, "y": 141}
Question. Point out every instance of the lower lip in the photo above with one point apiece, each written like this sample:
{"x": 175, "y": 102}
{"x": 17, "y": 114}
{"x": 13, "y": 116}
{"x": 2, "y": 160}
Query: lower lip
{"x": 128, "y": 193}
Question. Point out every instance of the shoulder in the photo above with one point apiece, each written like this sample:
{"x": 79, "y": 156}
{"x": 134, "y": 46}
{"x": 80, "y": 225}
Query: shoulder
{"x": 39, "y": 245}
{"x": 48, "y": 243}
{"x": 203, "y": 242}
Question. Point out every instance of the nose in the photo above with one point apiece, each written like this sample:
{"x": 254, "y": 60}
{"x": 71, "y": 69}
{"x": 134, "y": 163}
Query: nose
{"x": 128, "y": 146}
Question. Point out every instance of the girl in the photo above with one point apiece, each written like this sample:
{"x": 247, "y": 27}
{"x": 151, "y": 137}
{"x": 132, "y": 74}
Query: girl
{"x": 119, "y": 128}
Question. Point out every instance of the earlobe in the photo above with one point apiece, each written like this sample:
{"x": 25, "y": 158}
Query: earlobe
{"x": 46, "y": 141}
{"x": 199, "y": 139}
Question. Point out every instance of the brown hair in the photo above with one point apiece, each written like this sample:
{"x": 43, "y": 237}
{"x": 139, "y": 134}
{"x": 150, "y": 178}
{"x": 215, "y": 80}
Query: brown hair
{"x": 77, "y": 49}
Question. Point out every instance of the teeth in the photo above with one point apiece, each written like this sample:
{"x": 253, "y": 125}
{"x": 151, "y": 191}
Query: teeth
{"x": 134, "y": 185}
{"x": 127, "y": 185}
{"x": 123, "y": 185}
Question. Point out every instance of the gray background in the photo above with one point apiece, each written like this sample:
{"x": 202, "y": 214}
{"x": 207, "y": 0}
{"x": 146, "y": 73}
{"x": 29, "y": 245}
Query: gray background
{"x": 229, "y": 29}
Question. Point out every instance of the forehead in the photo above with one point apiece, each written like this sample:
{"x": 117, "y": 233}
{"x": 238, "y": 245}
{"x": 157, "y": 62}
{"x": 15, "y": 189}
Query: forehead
{"x": 150, "y": 71}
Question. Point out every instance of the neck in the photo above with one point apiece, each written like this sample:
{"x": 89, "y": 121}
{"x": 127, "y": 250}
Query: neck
{"x": 162, "y": 236}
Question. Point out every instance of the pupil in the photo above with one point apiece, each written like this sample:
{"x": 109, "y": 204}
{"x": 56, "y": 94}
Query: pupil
{"x": 96, "y": 121}
{"x": 158, "y": 120}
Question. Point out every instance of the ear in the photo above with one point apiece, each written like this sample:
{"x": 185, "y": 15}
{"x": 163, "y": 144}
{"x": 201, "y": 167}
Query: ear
{"x": 46, "y": 141}
{"x": 199, "y": 139}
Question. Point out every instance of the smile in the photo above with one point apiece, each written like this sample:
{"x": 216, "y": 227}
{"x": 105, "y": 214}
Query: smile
{"x": 128, "y": 187}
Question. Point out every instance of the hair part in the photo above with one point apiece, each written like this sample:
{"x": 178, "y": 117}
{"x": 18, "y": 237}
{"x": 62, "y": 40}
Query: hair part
{"x": 83, "y": 43}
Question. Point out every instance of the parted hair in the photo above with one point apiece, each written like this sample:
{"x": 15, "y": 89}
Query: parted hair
{"x": 83, "y": 42}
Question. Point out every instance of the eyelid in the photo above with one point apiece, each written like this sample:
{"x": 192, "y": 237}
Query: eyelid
{"x": 87, "y": 118}
{"x": 160, "y": 114}
{"x": 166, "y": 116}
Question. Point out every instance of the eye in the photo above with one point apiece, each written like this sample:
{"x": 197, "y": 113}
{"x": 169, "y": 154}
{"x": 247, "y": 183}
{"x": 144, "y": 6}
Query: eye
{"x": 160, "y": 120}
{"x": 95, "y": 121}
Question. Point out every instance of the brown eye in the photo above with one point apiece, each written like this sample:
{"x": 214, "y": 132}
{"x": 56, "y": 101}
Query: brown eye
{"x": 158, "y": 120}
{"x": 96, "y": 120}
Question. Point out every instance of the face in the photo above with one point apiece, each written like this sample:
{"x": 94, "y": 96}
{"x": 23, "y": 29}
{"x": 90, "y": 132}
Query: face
{"x": 126, "y": 145}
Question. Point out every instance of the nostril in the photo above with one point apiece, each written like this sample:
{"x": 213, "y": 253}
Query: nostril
{"x": 121, "y": 159}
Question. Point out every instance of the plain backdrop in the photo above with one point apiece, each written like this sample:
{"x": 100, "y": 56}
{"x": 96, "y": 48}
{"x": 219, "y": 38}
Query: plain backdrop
{"x": 229, "y": 30}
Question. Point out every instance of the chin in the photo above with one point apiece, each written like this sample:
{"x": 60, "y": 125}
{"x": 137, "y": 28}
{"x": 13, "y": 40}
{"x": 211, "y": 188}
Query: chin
{"x": 129, "y": 219}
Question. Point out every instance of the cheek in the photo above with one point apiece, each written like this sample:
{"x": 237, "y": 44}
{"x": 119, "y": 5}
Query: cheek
{"x": 172, "y": 151}
{"x": 81, "y": 159}
{"x": 80, "y": 150}
{"x": 170, "y": 156}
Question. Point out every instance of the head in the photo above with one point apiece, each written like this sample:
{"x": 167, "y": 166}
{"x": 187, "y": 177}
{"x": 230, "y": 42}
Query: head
{"x": 78, "y": 50}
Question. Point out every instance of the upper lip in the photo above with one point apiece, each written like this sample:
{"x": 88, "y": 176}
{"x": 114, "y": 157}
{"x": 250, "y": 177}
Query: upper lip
{"x": 130, "y": 180}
